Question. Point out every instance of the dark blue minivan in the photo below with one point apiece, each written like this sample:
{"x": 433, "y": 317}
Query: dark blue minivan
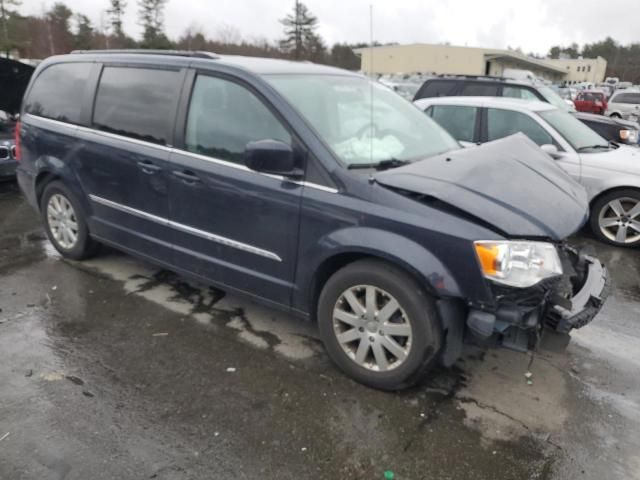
{"x": 314, "y": 190}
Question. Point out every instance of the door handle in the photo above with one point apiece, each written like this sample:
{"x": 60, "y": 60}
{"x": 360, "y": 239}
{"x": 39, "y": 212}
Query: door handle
{"x": 186, "y": 176}
{"x": 148, "y": 167}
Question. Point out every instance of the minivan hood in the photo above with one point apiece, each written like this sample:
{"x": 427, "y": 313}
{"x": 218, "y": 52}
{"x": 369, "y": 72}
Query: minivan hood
{"x": 509, "y": 183}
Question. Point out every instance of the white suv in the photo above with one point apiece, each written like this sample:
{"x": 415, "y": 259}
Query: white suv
{"x": 610, "y": 173}
{"x": 625, "y": 104}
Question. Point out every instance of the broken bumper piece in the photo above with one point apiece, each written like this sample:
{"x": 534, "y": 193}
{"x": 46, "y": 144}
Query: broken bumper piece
{"x": 585, "y": 304}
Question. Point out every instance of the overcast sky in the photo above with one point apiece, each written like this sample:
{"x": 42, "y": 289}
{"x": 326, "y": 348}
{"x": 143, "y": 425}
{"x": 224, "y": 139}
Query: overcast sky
{"x": 533, "y": 25}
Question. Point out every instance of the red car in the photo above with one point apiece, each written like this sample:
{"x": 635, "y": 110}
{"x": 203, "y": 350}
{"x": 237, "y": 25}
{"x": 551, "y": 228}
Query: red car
{"x": 591, "y": 102}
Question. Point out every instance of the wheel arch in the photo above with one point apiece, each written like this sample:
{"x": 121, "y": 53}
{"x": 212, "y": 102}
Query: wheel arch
{"x": 401, "y": 252}
{"x": 42, "y": 179}
{"x": 610, "y": 190}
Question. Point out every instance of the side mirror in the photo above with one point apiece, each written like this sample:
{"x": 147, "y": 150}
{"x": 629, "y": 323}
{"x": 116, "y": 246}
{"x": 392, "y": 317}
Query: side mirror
{"x": 271, "y": 156}
{"x": 551, "y": 150}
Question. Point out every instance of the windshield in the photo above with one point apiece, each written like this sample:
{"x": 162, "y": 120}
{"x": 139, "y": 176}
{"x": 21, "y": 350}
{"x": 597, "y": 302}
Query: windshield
{"x": 574, "y": 131}
{"x": 554, "y": 99}
{"x": 363, "y": 122}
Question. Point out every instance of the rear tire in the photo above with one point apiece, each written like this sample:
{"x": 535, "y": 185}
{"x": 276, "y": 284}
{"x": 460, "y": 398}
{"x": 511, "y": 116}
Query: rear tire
{"x": 355, "y": 338}
{"x": 65, "y": 223}
{"x": 615, "y": 218}
{"x": 615, "y": 115}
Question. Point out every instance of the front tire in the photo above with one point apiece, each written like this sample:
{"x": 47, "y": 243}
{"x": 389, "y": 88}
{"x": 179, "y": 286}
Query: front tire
{"x": 65, "y": 223}
{"x": 379, "y": 325}
{"x": 615, "y": 218}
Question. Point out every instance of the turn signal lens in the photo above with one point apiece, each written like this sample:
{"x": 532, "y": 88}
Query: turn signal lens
{"x": 518, "y": 263}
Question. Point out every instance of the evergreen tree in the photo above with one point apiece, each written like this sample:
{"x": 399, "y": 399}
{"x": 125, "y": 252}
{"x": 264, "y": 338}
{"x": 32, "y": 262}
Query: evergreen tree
{"x": 116, "y": 12}
{"x": 7, "y": 10}
{"x": 151, "y": 14}
{"x": 83, "y": 38}
{"x": 301, "y": 41}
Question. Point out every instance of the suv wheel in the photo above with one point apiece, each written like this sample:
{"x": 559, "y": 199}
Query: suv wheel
{"x": 615, "y": 218}
{"x": 378, "y": 325}
{"x": 65, "y": 223}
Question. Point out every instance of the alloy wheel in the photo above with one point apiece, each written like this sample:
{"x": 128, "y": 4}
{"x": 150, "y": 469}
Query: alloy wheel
{"x": 62, "y": 221}
{"x": 619, "y": 220}
{"x": 372, "y": 328}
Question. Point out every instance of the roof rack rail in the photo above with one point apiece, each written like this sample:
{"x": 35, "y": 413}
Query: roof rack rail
{"x": 477, "y": 77}
{"x": 175, "y": 53}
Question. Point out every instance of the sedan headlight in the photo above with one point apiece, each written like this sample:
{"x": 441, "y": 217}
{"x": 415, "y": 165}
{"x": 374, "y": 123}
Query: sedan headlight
{"x": 630, "y": 135}
{"x": 518, "y": 263}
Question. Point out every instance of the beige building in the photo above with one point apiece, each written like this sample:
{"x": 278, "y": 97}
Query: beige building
{"x": 578, "y": 70}
{"x": 446, "y": 59}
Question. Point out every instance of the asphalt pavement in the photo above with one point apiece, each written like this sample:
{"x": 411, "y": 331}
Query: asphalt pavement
{"x": 114, "y": 369}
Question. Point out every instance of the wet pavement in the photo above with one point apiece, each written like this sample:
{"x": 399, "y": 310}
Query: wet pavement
{"x": 113, "y": 369}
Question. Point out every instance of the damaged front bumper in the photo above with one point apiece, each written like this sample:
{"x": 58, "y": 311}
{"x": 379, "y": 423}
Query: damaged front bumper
{"x": 585, "y": 304}
{"x": 559, "y": 305}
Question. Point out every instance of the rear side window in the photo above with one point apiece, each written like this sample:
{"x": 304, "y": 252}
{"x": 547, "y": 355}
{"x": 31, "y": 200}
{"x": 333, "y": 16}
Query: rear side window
{"x": 435, "y": 88}
{"x": 224, "y": 116}
{"x": 459, "y": 121}
{"x": 633, "y": 98}
{"x": 57, "y": 92}
{"x": 478, "y": 89}
{"x": 519, "y": 92}
{"x": 137, "y": 102}
{"x": 502, "y": 123}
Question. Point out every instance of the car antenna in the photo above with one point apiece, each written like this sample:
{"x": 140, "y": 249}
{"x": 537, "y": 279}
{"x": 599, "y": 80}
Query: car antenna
{"x": 371, "y": 84}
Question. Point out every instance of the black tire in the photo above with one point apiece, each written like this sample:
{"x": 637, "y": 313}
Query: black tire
{"x": 419, "y": 306}
{"x": 615, "y": 115}
{"x": 602, "y": 203}
{"x": 84, "y": 247}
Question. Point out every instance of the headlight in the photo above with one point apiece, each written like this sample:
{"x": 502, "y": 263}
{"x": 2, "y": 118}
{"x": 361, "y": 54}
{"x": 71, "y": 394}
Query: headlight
{"x": 518, "y": 263}
{"x": 629, "y": 135}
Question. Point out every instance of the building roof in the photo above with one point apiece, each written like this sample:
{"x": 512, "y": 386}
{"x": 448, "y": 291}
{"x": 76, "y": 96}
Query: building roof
{"x": 490, "y": 53}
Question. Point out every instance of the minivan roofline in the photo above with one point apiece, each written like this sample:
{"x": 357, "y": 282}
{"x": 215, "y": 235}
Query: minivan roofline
{"x": 256, "y": 65}
{"x": 140, "y": 51}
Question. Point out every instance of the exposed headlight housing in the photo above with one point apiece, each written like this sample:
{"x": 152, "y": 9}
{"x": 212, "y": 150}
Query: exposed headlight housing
{"x": 518, "y": 264}
{"x": 630, "y": 135}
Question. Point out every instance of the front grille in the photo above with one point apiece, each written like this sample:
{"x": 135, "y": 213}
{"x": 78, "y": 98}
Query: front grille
{"x": 525, "y": 297}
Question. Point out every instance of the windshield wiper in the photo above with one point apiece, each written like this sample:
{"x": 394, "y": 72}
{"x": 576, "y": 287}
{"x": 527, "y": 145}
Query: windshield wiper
{"x": 381, "y": 165}
{"x": 593, "y": 147}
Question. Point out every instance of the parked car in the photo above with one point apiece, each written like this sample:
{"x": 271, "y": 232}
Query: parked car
{"x": 624, "y": 104}
{"x": 612, "y": 129}
{"x": 7, "y": 148}
{"x": 349, "y": 207}
{"x": 14, "y": 77}
{"x": 486, "y": 86}
{"x": 502, "y": 87}
{"x": 591, "y": 101}
{"x": 610, "y": 173}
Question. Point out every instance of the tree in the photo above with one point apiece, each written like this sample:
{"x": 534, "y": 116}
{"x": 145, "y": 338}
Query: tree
{"x": 116, "y": 12}
{"x": 7, "y": 10}
{"x": 342, "y": 56}
{"x": 301, "y": 40}
{"x": 59, "y": 29}
{"x": 151, "y": 15}
{"x": 83, "y": 39}
{"x": 572, "y": 51}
